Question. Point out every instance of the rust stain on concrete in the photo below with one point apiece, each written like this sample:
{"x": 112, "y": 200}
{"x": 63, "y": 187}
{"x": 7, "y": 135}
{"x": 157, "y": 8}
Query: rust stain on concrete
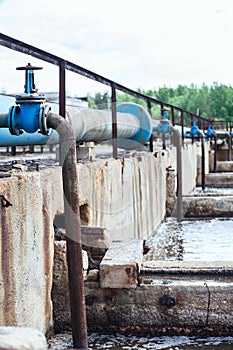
{"x": 7, "y": 269}
{"x": 47, "y": 254}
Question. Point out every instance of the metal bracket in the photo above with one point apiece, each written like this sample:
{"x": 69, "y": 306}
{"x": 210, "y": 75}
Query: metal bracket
{"x": 4, "y": 201}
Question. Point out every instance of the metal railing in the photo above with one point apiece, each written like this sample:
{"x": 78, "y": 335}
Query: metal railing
{"x": 178, "y": 115}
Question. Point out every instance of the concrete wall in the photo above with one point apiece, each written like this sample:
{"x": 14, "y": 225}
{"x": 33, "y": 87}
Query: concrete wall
{"x": 126, "y": 196}
{"x": 26, "y": 247}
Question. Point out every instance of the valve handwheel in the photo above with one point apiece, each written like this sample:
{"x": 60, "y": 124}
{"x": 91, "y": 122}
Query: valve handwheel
{"x": 29, "y": 67}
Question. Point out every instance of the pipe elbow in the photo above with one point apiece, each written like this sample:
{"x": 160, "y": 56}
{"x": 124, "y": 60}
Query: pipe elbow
{"x": 144, "y": 129}
{"x": 61, "y": 125}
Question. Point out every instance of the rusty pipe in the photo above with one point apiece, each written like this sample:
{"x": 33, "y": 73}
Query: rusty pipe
{"x": 67, "y": 143}
{"x": 202, "y": 159}
{"x": 179, "y": 192}
{"x": 229, "y": 146}
{"x": 215, "y": 152}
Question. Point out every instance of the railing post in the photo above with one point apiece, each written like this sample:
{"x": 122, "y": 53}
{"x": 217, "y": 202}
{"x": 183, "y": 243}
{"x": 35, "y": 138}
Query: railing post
{"x": 163, "y": 134}
{"x": 62, "y": 88}
{"x": 151, "y": 137}
{"x": 114, "y": 122}
{"x": 182, "y": 124}
{"x": 173, "y": 115}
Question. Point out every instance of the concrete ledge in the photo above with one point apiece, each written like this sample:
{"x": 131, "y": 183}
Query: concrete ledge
{"x": 188, "y": 267}
{"x": 14, "y": 338}
{"x": 209, "y": 206}
{"x": 219, "y": 180}
{"x": 225, "y": 166}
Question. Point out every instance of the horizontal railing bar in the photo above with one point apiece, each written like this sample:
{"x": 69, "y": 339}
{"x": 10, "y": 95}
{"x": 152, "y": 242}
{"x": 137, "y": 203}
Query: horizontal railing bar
{"x": 33, "y": 51}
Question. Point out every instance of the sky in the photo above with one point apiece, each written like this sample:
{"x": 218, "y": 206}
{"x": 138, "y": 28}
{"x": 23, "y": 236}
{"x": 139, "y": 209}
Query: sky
{"x": 140, "y": 44}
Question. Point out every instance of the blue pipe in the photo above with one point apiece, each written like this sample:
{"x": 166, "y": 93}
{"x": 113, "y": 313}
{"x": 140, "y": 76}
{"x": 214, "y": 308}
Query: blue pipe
{"x": 134, "y": 127}
{"x": 26, "y": 139}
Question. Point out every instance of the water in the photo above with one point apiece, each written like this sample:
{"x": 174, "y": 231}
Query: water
{"x": 191, "y": 240}
{"x": 120, "y": 342}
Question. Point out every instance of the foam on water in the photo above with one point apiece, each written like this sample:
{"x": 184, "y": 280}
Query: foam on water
{"x": 120, "y": 342}
{"x": 192, "y": 239}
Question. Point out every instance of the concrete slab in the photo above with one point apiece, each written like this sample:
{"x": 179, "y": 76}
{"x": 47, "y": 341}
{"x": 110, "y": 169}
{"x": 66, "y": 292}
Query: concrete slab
{"x": 188, "y": 267}
{"x": 225, "y": 166}
{"x": 219, "y": 179}
{"x": 121, "y": 264}
{"x": 208, "y": 206}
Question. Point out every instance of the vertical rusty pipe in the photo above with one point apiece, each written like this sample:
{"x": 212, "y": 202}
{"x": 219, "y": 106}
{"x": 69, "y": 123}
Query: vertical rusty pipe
{"x": 13, "y": 150}
{"x": 229, "y": 146}
{"x": 179, "y": 191}
{"x": 73, "y": 229}
{"x": 202, "y": 160}
{"x": 149, "y": 111}
{"x": 163, "y": 134}
{"x": 173, "y": 115}
{"x": 192, "y": 125}
{"x": 182, "y": 125}
{"x": 114, "y": 122}
{"x": 215, "y": 153}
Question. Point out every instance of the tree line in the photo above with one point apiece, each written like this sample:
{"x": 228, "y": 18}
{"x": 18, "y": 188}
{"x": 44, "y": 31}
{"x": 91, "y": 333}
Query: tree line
{"x": 215, "y": 101}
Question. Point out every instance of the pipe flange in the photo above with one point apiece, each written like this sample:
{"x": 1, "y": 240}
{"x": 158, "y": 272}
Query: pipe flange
{"x": 44, "y": 110}
{"x": 32, "y": 98}
{"x": 12, "y": 121}
{"x": 144, "y": 129}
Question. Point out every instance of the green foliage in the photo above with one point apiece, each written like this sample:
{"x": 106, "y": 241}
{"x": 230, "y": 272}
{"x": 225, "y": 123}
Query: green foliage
{"x": 215, "y": 101}
{"x": 99, "y": 101}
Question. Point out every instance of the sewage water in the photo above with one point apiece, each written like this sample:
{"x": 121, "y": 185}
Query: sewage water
{"x": 120, "y": 342}
{"x": 192, "y": 239}
{"x": 197, "y": 240}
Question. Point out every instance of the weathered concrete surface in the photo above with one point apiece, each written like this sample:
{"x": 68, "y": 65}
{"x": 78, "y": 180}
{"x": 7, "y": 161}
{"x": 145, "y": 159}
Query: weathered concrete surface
{"x": 121, "y": 264}
{"x": 209, "y": 206}
{"x": 208, "y": 157}
{"x": 126, "y": 196}
{"x": 190, "y": 165}
{"x": 219, "y": 180}
{"x": 60, "y": 292}
{"x": 26, "y": 246}
{"x": 15, "y": 338}
{"x": 187, "y": 267}
{"x": 226, "y": 166}
{"x": 171, "y": 191}
{"x": 142, "y": 310}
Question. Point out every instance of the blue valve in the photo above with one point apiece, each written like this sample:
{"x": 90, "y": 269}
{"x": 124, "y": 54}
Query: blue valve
{"x": 210, "y": 131}
{"x": 29, "y": 114}
{"x": 164, "y": 125}
{"x": 194, "y": 131}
